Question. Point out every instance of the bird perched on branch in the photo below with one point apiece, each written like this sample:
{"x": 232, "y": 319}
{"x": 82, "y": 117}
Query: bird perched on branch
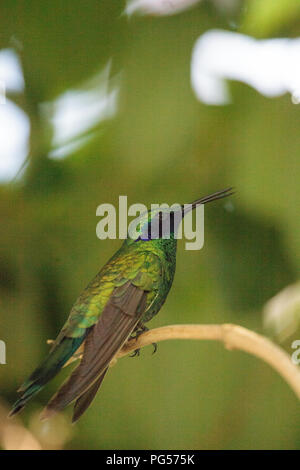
{"x": 126, "y": 293}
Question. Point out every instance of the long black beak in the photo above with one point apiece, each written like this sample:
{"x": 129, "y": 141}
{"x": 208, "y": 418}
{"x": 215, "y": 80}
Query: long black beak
{"x": 204, "y": 200}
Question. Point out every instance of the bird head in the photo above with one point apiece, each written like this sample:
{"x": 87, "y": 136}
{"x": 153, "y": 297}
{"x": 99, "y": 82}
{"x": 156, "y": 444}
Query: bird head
{"x": 163, "y": 222}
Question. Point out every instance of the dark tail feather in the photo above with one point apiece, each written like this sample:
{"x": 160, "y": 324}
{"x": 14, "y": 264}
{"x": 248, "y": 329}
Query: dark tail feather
{"x": 84, "y": 401}
{"x": 46, "y": 371}
{"x": 21, "y": 402}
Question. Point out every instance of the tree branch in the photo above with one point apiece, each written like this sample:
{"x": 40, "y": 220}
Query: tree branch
{"x": 233, "y": 337}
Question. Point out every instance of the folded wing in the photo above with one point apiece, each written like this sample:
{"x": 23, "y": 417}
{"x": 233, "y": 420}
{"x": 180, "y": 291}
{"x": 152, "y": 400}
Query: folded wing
{"x": 118, "y": 320}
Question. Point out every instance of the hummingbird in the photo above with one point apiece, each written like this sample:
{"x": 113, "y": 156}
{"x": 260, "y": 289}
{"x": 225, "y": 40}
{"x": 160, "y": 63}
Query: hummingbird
{"x": 126, "y": 293}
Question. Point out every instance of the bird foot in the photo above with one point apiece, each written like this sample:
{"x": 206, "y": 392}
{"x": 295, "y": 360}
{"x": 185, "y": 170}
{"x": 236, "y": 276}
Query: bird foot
{"x": 140, "y": 329}
{"x": 135, "y": 353}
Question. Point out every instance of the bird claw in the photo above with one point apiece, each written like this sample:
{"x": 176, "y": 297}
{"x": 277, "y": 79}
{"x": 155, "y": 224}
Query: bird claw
{"x": 140, "y": 330}
{"x": 135, "y": 353}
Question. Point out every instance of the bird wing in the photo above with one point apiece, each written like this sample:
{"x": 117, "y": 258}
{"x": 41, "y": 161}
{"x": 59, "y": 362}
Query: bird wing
{"x": 124, "y": 309}
{"x": 103, "y": 293}
{"x": 83, "y": 402}
{"x": 141, "y": 268}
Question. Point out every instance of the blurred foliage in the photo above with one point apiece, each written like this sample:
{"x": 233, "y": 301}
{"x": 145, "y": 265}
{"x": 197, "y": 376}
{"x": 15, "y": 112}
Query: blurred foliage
{"x": 269, "y": 17}
{"x": 162, "y": 146}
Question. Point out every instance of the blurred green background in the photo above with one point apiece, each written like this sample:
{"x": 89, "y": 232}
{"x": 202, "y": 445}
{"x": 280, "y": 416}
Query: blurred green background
{"x": 161, "y": 145}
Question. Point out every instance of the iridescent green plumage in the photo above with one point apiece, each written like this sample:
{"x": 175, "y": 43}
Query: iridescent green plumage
{"x": 126, "y": 293}
{"x": 145, "y": 265}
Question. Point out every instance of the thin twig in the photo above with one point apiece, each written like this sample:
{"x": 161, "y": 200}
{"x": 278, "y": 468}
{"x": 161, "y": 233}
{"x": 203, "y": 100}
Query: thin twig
{"x": 233, "y": 337}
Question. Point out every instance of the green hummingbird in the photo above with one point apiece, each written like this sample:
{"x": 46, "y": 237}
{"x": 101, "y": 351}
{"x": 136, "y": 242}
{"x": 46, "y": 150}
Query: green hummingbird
{"x": 126, "y": 293}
